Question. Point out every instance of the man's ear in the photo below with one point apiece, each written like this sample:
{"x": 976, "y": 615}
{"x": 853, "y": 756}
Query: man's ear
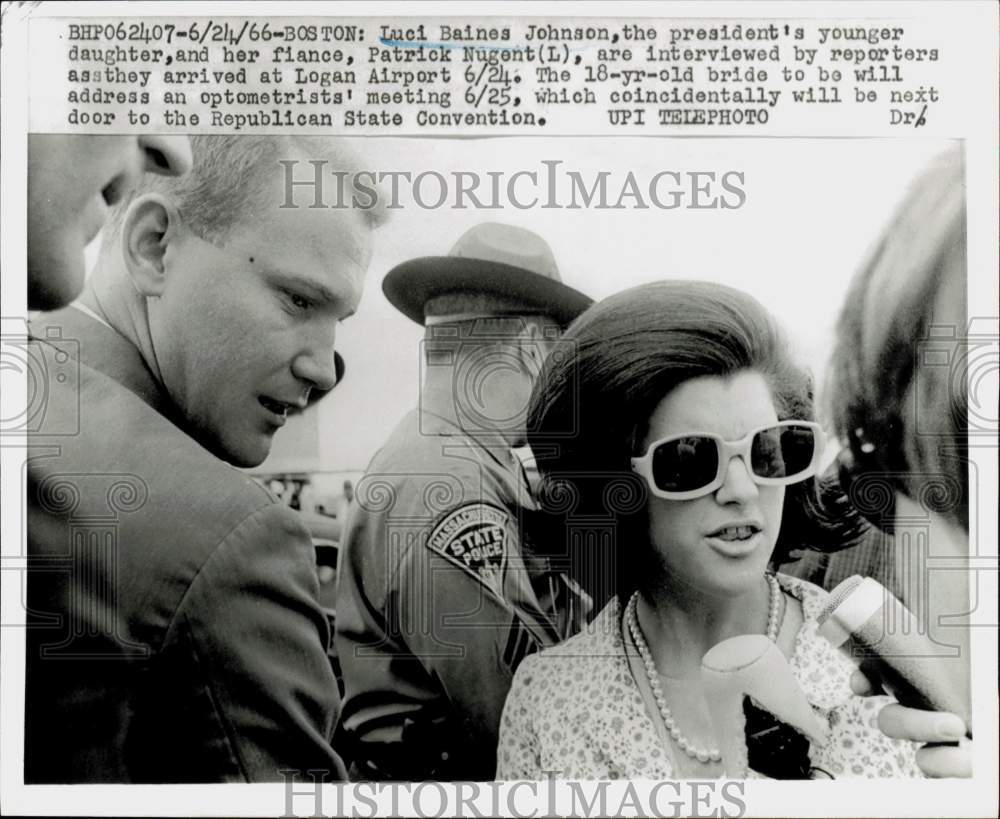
{"x": 531, "y": 358}
{"x": 534, "y": 348}
{"x": 150, "y": 224}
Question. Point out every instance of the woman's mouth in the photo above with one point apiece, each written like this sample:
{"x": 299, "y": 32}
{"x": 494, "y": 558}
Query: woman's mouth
{"x": 737, "y": 539}
{"x": 735, "y": 533}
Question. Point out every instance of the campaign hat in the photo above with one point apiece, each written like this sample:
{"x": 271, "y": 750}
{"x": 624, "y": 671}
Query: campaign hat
{"x": 506, "y": 261}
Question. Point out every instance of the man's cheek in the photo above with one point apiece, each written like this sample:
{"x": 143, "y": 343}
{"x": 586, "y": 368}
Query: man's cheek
{"x": 262, "y": 314}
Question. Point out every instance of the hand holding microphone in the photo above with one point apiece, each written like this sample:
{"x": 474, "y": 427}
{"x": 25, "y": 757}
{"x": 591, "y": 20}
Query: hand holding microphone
{"x": 934, "y": 705}
{"x": 857, "y": 619}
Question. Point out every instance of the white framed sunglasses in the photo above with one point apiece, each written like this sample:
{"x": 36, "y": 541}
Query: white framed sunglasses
{"x": 692, "y": 464}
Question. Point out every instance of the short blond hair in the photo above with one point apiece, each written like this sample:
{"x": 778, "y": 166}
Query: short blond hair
{"x": 230, "y": 181}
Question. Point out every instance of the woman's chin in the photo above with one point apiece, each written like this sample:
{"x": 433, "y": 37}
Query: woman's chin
{"x": 736, "y": 567}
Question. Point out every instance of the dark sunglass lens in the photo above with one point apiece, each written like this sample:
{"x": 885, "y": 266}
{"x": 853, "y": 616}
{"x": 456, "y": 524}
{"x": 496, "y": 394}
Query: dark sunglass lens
{"x": 685, "y": 464}
{"x": 783, "y": 452}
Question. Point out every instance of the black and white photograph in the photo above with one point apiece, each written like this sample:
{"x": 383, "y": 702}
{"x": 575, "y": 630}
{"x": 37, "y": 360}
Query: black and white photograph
{"x": 521, "y": 410}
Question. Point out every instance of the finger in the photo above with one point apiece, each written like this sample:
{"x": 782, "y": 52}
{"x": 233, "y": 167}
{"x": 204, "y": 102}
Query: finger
{"x": 861, "y": 685}
{"x": 941, "y": 761}
{"x": 871, "y": 668}
{"x": 900, "y": 722}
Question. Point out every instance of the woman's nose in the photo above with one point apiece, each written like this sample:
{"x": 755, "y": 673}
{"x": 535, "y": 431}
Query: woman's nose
{"x": 738, "y": 486}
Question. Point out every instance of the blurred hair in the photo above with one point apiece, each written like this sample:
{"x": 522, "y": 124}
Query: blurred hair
{"x": 591, "y": 406}
{"x": 903, "y": 413}
{"x": 231, "y": 181}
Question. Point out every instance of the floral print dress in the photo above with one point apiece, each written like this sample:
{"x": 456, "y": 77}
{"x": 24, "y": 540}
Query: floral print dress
{"x": 575, "y": 711}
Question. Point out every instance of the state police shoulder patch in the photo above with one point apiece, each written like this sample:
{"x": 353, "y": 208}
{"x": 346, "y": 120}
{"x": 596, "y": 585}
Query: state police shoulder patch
{"x": 474, "y": 538}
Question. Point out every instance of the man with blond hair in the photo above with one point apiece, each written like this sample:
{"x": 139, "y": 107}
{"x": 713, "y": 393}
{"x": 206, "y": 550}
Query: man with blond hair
{"x": 174, "y": 629}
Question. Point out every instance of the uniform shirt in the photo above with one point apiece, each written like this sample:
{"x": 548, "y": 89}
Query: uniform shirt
{"x": 438, "y": 603}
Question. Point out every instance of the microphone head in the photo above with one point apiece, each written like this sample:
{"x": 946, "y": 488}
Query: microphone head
{"x": 849, "y": 606}
{"x": 837, "y": 596}
{"x": 751, "y": 665}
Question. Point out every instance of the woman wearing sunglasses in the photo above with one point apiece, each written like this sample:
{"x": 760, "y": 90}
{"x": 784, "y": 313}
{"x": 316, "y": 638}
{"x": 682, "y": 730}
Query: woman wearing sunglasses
{"x": 676, "y": 443}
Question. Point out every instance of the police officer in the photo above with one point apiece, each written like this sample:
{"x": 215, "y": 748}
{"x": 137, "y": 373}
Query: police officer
{"x": 440, "y": 597}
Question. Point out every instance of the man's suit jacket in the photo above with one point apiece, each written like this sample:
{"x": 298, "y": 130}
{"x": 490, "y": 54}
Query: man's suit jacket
{"x": 174, "y": 630}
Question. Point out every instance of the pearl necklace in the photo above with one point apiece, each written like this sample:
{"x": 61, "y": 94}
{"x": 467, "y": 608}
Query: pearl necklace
{"x": 632, "y": 620}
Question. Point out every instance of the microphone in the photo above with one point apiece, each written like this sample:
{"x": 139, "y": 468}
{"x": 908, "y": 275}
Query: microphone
{"x": 857, "y": 618}
{"x": 752, "y": 666}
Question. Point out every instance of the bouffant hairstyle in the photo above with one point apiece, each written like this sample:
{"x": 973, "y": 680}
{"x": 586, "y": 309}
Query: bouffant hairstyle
{"x": 590, "y": 408}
